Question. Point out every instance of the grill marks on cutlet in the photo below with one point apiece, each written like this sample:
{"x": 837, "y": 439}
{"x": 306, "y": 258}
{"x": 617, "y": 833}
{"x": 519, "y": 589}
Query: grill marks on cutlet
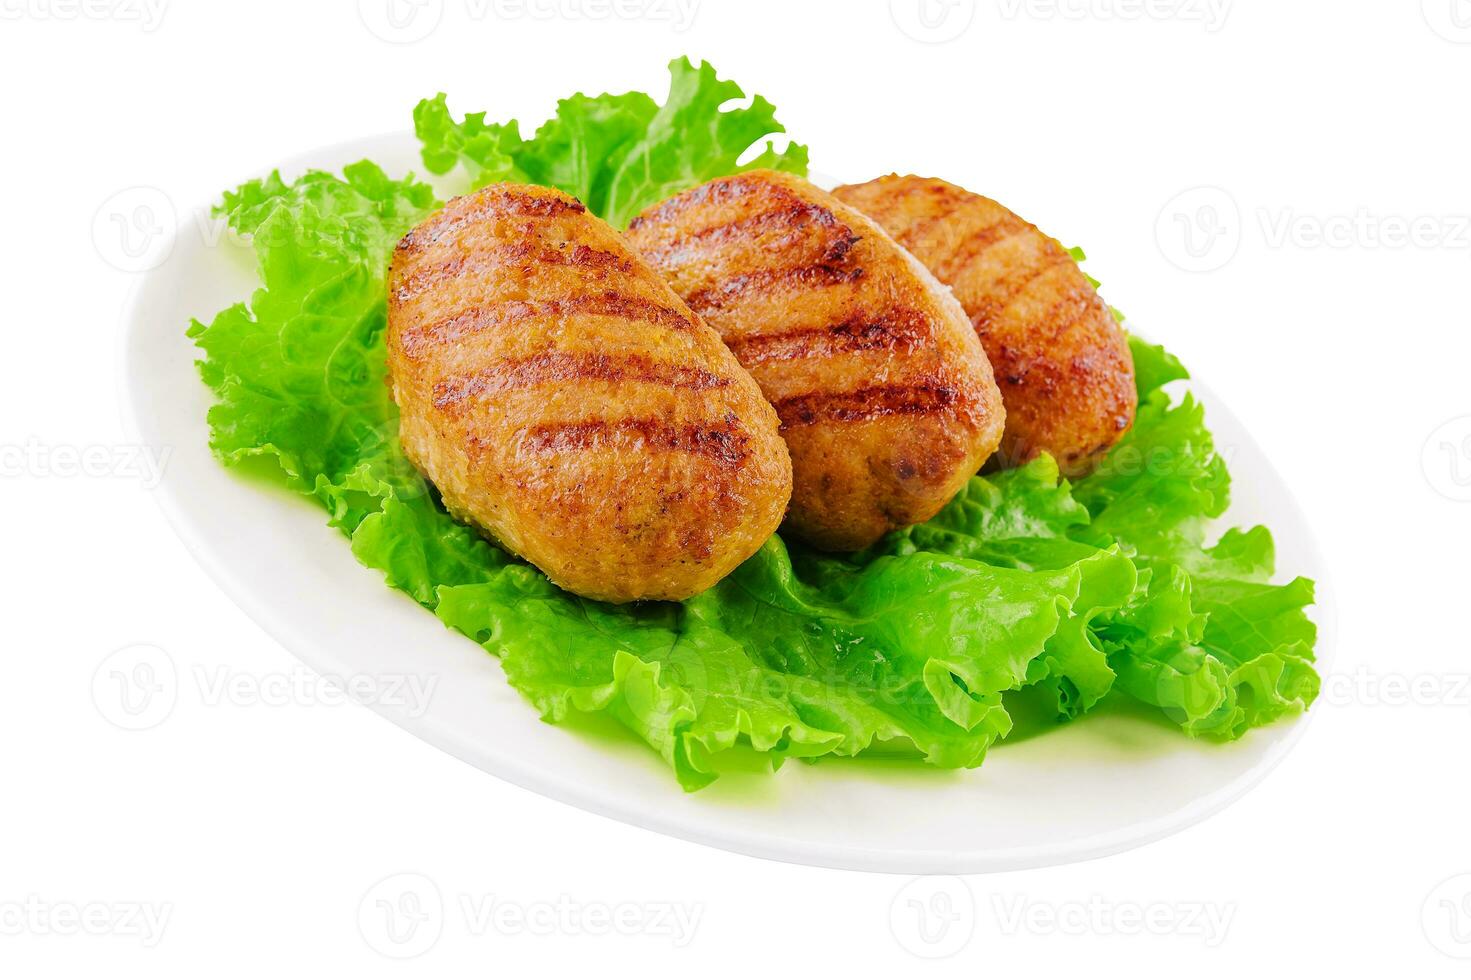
{"x": 733, "y": 289}
{"x": 815, "y": 242}
{"x": 974, "y": 230}
{"x": 522, "y": 254}
{"x": 986, "y": 308}
{"x": 503, "y": 203}
{"x": 712, "y": 193}
{"x": 927, "y": 396}
{"x": 453, "y": 393}
{"x": 723, "y": 441}
{"x": 898, "y": 330}
{"x": 791, "y": 216}
{"x": 423, "y": 337}
{"x": 1018, "y": 368}
{"x": 891, "y": 324}
{"x": 973, "y": 244}
{"x": 947, "y": 202}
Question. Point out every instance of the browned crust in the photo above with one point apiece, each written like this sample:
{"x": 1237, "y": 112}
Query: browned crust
{"x": 724, "y": 292}
{"x": 723, "y": 442}
{"x": 891, "y": 330}
{"x": 566, "y": 401}
{"x": 560, "y": 368}
{"x": 866, "y": 404}
{"x": 494, "y": 201}
{"x": 518, "y": 312}
{"x": 885, "y": 397}
{"x": 1062, "y": 362}
{"x": 524, "y": 254}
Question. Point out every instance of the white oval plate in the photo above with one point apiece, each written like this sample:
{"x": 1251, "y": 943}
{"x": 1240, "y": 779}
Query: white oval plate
{"x": 1102, "y": 785}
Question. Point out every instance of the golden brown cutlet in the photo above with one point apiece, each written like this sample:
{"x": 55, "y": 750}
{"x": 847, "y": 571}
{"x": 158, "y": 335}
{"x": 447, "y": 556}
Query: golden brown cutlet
{"x": 566, "y": 401}
{"x": 886, "y": 399}
{"x": 1062, "y": 362}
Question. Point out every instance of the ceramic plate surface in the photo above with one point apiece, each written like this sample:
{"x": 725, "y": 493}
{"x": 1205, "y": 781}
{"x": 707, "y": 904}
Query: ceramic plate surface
{"x": 1104, "y": 784}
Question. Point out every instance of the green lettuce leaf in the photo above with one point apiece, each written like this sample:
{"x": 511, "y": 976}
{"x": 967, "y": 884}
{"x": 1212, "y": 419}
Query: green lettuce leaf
{"x": 1024, "y": 583}
{"x": 616, "y": 153}
{"x": 1208, "y": 640}
{"x": 298, "y": 373}
{"x": 916, "y": 649}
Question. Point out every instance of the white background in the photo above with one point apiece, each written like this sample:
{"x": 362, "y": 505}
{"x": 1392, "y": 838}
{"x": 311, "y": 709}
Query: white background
{"x": 257, "y": 831}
